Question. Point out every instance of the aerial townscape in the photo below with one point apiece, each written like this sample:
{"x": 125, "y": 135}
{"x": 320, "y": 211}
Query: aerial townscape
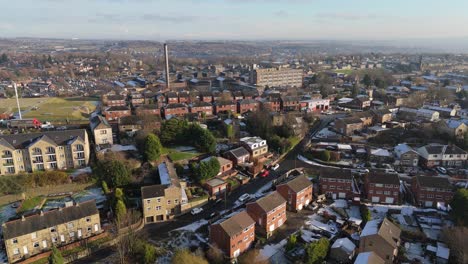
{"x": 117, "y": 147}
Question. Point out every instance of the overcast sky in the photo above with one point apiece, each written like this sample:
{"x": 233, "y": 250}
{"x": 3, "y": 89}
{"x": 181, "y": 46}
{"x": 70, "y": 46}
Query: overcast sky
{"x": 234, "y": 19}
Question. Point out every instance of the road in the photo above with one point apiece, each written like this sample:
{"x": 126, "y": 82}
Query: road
{"x": 159, "y": 231}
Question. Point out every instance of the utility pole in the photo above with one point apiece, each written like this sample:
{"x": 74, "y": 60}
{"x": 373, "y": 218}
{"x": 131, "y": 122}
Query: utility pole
{"x": 17, "y": 101}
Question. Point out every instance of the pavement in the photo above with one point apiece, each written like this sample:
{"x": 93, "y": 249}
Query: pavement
{"x": 159, "y": 231}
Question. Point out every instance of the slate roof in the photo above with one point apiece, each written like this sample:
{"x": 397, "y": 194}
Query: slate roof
{"x": 148, "y": 192}
{"x": 21, "y": 141}
{"x": 271, "y": 201}
{"x": 239, "y": 152}
{"x": 237, "y": 223}
{"x": 335, "y": 173}
{"x": 299, "y": 183}
{"x": 385, "y": 229}
{"x": 383, "y": 178}
{"x": 99, "y": 122}
{"x": 434, "y": 182}
{"x": 48, "y": 219}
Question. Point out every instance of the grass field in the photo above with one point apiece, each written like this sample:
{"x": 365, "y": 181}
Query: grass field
{"x": 51, "y": 109}
{"x": 176, "y": 155}
{"x": 31, "y": 203}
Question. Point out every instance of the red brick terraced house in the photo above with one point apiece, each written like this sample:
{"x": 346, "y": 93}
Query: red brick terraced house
{"x": 268, "y": 212}
{"x": 175, "y": 110}
{"x": 272, "y": 104}
{"x": 382, "y": 187}
{"x": 247, "y": 105}
{"x": 115, "y": 100}
{"x": 234, "y": 235}
{"x": 225, "y": 107}
{"x": 291, "y": 103}
{"x": 206, "y": 97}
{"x": 172, "y": 98}
{"x": 116, "y": 112}
{"x": 297, "y": 192}
{"x": 150, "y": 109}
{"x": 429, "y": 190}
{"x": 202, "y": 107}
{"x": 338, "y": 183}
{"x": 184, "y": 98}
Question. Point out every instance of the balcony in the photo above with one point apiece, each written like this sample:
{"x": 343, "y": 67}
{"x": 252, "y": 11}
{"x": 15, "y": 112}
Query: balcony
{"x": 7, "y": 156}
{"x": 36, "y": 154}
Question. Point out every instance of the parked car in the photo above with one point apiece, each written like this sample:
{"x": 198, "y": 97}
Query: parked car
{"x": 265, "y": 173}
{"x": 196, "y": 211}
{"x": 213, "y": 215}
{"x": 313, "y": 206}
{"x": 441, "y": 170}
{"x": 275, "y": 167}
{"x": 244, "y": 197}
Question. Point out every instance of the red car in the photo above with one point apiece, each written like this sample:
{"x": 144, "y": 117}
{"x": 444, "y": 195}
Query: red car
{"x": 265, "y": 173}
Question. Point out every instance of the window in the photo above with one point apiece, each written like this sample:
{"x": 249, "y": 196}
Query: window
{"x": 158, "y": 208}
{"x": 148, "y": 208}
{"x": 54, "y": 239}
{"x": 16, "y": 251}
{"x": 176, "y": 201}
{"x": 36, "y": 244}
{"x": 14, "y": 241}
{"x": 332, "y": 187}
{"x": 88, "y": 219}
{"x": 103, "y": 132}
{"x": 430, "y": 196}
{"x": 89, "y": 229}
{"x": 168, "y": 201}
{"x": 72, "y": 234}
{"x": 378, "y": 192}
{"x": 371, "y": 191}
{"x": 158, "y": 200}
{"x": 70, "y": 225}
{"x": 34, "y": 235}
{"x": 53, "y": 229}
{"x": 148, "y": 201}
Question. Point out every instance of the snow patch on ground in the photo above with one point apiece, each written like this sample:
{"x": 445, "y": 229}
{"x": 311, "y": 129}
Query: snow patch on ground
{"x": 81, "y": 171}
{"x": 193, "y": 226}
{"x": 269, "y": 250}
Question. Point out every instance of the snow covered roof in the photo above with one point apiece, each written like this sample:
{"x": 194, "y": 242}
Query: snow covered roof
{"x": 402, "y": 149}
{"x": 371, "y": 228}
{"x": 164, "y": 174}
{"x": 442, "y": 251}
{"x": 345, "y": 244}
{"x": 368, "y": 257}
{"x": 380, "y": 152}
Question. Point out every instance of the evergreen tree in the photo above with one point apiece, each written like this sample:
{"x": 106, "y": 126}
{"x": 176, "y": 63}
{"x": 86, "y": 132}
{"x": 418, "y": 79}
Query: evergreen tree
{"x": 120, "y": 210}
{"x": 56, "y": 256}
{"x": 153, "y": 147}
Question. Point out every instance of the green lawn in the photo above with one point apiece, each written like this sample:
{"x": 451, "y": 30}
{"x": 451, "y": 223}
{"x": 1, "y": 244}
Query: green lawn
{"x": 31, "y": 203}
{"x": 176, "y": 155}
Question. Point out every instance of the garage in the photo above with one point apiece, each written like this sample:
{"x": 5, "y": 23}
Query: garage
{"x": 342, "y": 195}
{"x": 333, "y": 196}
{"x": 375, "y": 199}
{"x": 389, "y": 200}
{"x": 428, "y": 203}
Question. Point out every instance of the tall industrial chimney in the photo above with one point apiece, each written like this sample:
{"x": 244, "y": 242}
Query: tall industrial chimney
{"x": 166, "y": 57}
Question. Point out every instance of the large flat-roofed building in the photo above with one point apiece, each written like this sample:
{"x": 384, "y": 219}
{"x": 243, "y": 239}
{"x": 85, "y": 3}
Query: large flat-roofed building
{"x": 277, "y": 77}
{"x": 44, "y": 151}
{"x": 32, "y": 235}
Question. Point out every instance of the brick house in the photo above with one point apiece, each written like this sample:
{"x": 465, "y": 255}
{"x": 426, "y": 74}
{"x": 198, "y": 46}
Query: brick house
{"x": 290, "y": 103}
{"x": 297, "y": 192}
{"x": 184, "y": 97}
{"x": 172, "y": 98}
{"x": 234, "y": 235}
{"x": 238, "y": 155}
{"x": 428, "y": 191}
{"x": 206, "y": 97}
{"x": 175, "y": 110}
{"x": 163, "y": 201}
{"x": 137, "y": 99}
{"x": 201, "y": 108}
{"x": 382, "y": 238}
{"x": 268, "y": 212}
{"x": 272, "y": 104}
{"x": 246, "y": 105}
{"x": 348, "y": 125}
{"x": 366, "y": 118}
{"x": 380, "y": 116}
{"x": 215, "y": 187}
{"x": 150, "y": 109}
{"x": 450, "y": 156}
{"x": 38, "y": 233}
{"x": 115, "y": 100}
{"x": 337, "y": 183}
{"x": 255, "y": 145}
{"x": 237, "y": 95}
{"x": 382, "y": 187}
{"x": 225, "y": 165}
{"x": 116, "y": 112}
{"x": 406, "y": 155}
{"x": 225, "y": 107}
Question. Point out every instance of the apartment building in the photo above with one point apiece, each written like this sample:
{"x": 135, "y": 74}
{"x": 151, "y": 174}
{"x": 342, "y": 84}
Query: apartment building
{"x": 337, "y": 183}
{"x": 234, "y": 235}
{"x": 38, "y": 233}
{"x": 255, "y": 146}
{"x": 297, "y": 192}
{"x": 268, "y": 212}
{"x": 382, "y": 238}
{"x": 277, "y": 77}
{"x": 44, "y": 151}
{"x": 115, "y": 100}
{"x": 428, "y": 191}
{"x": 382, "y": 187}
{"x": 101, "y": 130}
{"x": 163, "y": 201}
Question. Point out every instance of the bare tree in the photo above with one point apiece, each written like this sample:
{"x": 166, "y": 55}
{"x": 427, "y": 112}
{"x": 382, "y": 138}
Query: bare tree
{"x": 125, "y": 234}
{"x": 455, "y": 238}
